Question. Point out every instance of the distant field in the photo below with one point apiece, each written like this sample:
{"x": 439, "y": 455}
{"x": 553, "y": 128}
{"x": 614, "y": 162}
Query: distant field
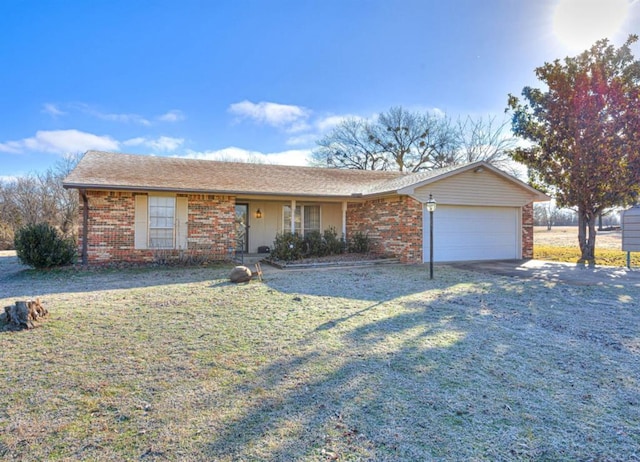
{"x": 561, "y": 244}
{"x": 567, "y": 236}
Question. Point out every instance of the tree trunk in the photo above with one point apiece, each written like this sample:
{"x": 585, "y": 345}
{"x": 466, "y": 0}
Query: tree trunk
{"x": 24, "y": 314}
{"x": 587, "y": 236}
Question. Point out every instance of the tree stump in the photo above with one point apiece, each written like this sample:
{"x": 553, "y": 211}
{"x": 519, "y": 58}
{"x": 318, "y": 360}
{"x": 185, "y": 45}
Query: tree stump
{"x": 24, "y": 314}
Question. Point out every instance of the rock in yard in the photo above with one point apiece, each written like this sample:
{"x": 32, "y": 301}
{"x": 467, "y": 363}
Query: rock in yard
{"x": 240, "y": 274}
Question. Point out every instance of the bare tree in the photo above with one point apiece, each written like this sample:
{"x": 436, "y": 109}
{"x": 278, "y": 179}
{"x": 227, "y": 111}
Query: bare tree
{"x": 40, "y": 198}
{"x": 350, "y": 145}
{"x": 415, "y": 141}
{"x": 545, "y": 214}
{"x": 66, "y": 200}
{"x": 485, "y": 139}
{"x": 412, "y": 141}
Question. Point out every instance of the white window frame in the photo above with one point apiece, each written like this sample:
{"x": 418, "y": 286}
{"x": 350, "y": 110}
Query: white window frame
{"x": 172, "y": 227}
{"x": 286, "y": 224}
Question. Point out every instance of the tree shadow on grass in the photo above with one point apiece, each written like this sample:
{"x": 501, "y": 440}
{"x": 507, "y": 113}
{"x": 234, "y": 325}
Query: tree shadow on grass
{"x": 369, "y": 283}
{"x": 483, "y": 372}
{"x": 19, "y": 281}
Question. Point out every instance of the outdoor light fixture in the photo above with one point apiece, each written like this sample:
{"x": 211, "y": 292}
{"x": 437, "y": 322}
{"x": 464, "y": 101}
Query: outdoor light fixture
{"x": 431, "y": 207}
{"x": 258, "y": 214}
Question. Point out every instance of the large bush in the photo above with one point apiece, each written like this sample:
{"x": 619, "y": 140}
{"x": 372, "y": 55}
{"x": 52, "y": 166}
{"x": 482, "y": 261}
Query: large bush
{"x": 359, "y": 243}
{"x": 288, "y": 246}
{"x": 314, "y": 246}
{"x": 335, "y": 245}
{"x": 41, "y": 246}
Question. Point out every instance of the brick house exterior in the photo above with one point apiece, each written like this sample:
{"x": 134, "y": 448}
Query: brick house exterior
{"x": 111, "y": 228}
{"x": 527, "y": 231}
{"x": 117, "y": 191}
{"x": 394, "y": 225}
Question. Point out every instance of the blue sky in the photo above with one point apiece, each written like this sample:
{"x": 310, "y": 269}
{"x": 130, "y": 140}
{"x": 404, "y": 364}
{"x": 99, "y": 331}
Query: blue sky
{"x": 262, "y": 79}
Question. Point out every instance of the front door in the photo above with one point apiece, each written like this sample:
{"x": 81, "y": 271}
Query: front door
{"x": 242, "y": 228}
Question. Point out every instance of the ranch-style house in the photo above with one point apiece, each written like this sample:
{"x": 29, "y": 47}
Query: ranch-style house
{"x": 134, "y": 206}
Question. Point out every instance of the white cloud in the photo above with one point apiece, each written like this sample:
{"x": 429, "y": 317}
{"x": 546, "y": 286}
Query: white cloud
{"x": 123, "y": 118}
{"x": 174, "y": 115}
{"x": 305, "y": 139}
{"x": 330, "y": 122}
{"x": 318, "y": 128}
{"x": 13, "y": 147}
{"x": 285, "y": 116}
{"x": 436, "y": 111}
{"x": 162, "y": 143}
{"x": 52, "y": 110}
{"x": 113, "y": 117}
{"x": 235, "y": 154}
{"x": 61, "y": 142}
{"x": 6, "y": 179}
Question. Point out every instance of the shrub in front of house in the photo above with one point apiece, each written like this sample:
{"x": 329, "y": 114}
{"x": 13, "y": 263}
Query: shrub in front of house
{"x": 288, "y": 246}
{"x": 291, "y": 246}
{"x": 314, "y": 245}
{"x": 359, "y": 243}
{"x": 42, "y": 246}
{"x": 334, "y": 244}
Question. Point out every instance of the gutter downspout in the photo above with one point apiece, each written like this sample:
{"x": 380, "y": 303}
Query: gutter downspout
{"x": 85, "y": 226}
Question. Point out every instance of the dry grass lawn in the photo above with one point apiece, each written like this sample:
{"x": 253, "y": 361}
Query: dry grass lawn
{"x": 375, "y": 363}
{"x": 567, "y": 236}
{"x": 561, "y": 244}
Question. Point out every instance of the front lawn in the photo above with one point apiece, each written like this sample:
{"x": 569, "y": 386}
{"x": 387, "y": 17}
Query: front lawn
{"x": 374, "y": 363}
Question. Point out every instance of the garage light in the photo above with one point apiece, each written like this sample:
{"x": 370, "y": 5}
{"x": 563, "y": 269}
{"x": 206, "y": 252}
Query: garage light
{"x": 431, "y": 204}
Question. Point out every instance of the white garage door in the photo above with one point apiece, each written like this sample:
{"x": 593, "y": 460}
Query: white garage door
{"x": 473, "y": 233}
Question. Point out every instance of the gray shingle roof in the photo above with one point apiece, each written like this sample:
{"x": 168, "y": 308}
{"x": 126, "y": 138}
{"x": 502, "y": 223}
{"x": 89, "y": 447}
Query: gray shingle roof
{"x": 108, "y": 170}
{"x": 402, "y": 181}
{"x": 126, "y": 171}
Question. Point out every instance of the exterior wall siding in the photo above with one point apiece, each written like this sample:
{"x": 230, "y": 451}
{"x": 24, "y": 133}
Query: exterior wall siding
{"x": 393, "y": 224}
{"x": 527, "y": 231}
{"x": 263, "y": 230}
{"x": 469, "y": 188}
{"x": 111, "y": 229}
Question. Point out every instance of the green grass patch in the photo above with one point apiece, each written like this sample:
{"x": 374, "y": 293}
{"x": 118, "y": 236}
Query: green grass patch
{"x": 607, "y": 257}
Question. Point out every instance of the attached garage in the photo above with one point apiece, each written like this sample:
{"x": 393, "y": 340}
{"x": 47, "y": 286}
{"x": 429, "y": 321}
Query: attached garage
{"x": 474, "y": 233}
{"x": 481, "y": 214}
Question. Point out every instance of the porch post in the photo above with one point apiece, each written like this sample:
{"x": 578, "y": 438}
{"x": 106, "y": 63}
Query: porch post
{"x": 293, "y": 216}
{"x": 344, "y": 219}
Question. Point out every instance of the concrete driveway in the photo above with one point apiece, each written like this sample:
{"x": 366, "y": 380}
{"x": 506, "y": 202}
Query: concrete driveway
{"x": 568, "y": 273}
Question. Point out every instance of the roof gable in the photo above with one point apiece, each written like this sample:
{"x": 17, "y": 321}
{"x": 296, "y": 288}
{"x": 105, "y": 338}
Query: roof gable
{"x": 476, "y": 167}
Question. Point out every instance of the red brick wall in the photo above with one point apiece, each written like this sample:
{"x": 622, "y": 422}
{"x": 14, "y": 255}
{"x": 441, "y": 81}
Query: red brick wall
{"x": 110, "y": 234}
{"x": 527, "y": 231}
{"x": 393, "y": 224}
{"x": 211, "y": 225}
{"x": 111, "y": 229}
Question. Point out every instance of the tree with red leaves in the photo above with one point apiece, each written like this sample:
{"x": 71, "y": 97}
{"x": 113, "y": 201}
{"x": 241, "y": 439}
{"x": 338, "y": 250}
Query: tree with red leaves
{"x": 584, "y": 133}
